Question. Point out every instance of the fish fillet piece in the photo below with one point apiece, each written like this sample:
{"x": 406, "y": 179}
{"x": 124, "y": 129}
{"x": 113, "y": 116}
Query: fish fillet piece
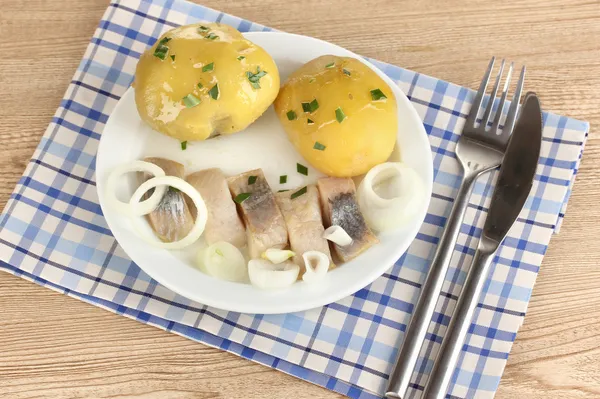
{"x": 265, "y": 226}
{"x": 223, "y": 223}
{"x": 304, "y": 223}
{"x": 171, "y": 220}
{"x": 340, "y": 208}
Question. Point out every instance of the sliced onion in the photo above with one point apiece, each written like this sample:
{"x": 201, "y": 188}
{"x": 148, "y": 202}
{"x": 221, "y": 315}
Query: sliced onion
{"x": 317, "y": 265}
{"x": 277, "y": 255}
{"x": 224, "y": 261}
{"x": 143, "y": 207}
{"x": 267, "y": 276}
{"x": 390, "y": 195}
{"x": 337, "y": 235}
{"x": 185, "y": 188}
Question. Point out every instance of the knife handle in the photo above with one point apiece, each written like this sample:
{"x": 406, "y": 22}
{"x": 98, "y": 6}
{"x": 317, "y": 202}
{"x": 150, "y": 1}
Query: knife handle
{"x": 414, "y": 337}
{"x": 445, "y": 364}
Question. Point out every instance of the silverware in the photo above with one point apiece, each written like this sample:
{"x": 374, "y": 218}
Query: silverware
{"x": 478, "y": 150}
{"x": 511, "y": 192}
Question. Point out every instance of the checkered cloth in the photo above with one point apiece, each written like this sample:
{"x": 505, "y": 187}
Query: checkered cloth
{"x": 53, "y": 233}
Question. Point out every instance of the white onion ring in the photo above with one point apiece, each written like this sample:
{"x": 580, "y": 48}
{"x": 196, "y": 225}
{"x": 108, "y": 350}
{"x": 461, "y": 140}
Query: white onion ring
{"x": 185, "y": 188}
{"x": 277, "y": 255}
{"x": 383, "y": 214}
{"x": 223, "y": 261}
{"x": 338, "y": 235}
{"x": 315, "y": 273}
{"x": 141, "y": 208}
{"x": 267, "y": 276}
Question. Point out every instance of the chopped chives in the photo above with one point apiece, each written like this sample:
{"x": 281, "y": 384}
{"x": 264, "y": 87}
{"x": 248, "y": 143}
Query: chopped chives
{"x": 202, "y": 28}
{"x": 319, "y": 146}
{"x": 303, "y": 170}
{"x": 164, "y": 40}
{"x": 200, "y": 85}
{"x": 174, "y": 190}
{"x": 339, "y": 115}
{"x": 311, "y": 106}
{"x": 173, "y": 57}
{"x": 190, "y": 101}
{"x": 241, "y": 57}
{"x": 282, "y": 191}
{"x": 282, "y": 179}
{"x": 212, "y": 36}
{"x": 183, "y": 145}
{"x": 377, "y": 94}
{"x": 214, "y": 92}
{"x": 208, "y": 67}
{"x": 312, "y": 80}
{"x": 298, "y": 193}
{"x": 310, "y": 121}
{"x": 219, "y": 252}
{"x": 291, "y": 115}
{"x": 252, "y": 180}
{"x": 346, "y": 72}
{"x": 254, "y": 78}
{"x": 162, "y": 50}
{"x": 241, "y": 197}
{"x": 330, "y": 65}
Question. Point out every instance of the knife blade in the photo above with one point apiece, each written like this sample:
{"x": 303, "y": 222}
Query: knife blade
{"x": 512, "y": 189}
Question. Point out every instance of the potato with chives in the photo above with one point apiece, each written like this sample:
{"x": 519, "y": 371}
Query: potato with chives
{"x": 202, "y": 80}
{"x": 339, "y": 114}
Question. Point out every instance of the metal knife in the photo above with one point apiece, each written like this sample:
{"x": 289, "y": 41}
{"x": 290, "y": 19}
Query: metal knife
{"x": 511, "y": 192}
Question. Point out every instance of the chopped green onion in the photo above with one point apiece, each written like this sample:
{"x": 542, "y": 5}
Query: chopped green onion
{"x": 330, "y": 65}
{"x": 183, "y": 145}
{"x": 212, "y": 36}
{"x": 377, "y": 95}
{"x": 202, "y": 28}
{"x": 161, "y": 51}
{"x": 310, "y": 121}
{"x": 282, "y": 179}
{"x": 214, "y": 92}
{"x": 252, "y": 180}
{"x": 164, "y": 40}
{"x": 241, "y": 197}
{"x": 174, "y": 190}
{"x": 208, "y": 67}
{"x": 254, "y": 78}
{"x": 291, "y": 115}
{"x": 311, "y": 106}
{"x": 339, "y": 115}
{"x": 200, "y": 85}
{"x": 303, "y": 170}
{"x": 173, "y": 57}
{"x": 298, "y": 193}
{"x": 190, "y": 101}
{"x": 219, "y": 252}
{"x": 312, "y": 80}
{"x": 319, "y": 146}
{"x": 346, "y": 72}
{"x": 282, "y": 191}
{"x": 241, "y": 57}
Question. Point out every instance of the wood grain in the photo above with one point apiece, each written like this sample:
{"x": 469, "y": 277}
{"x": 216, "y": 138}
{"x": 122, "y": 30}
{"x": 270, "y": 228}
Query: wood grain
{"x": 55, "y": 346}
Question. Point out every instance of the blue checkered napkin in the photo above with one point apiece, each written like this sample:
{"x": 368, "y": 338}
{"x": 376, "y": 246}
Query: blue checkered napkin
{"x": 53, "y": 233}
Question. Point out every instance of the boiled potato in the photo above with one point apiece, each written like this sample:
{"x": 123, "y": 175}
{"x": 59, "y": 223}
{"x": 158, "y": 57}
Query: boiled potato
{"x": 339, "y": 114}
{"x": 204, "y": 79}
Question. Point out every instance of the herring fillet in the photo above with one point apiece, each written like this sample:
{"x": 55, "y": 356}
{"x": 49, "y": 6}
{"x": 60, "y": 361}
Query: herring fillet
{"x": 340, "y": 208}
{"x": 304, "y": 223}
{"x": 223, "y": 223}
{"x": 171, "y": 220}
{"x": 265, "y": 226}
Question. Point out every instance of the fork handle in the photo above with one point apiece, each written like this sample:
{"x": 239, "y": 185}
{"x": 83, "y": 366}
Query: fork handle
{"x": 414, "y": 336}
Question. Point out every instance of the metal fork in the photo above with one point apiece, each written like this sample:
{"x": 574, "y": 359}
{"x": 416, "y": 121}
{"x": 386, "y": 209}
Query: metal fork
{"x": 478, "y": 150}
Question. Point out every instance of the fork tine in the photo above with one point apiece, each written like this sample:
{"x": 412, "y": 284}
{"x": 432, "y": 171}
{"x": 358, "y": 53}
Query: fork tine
{"x": 490, "y": 105}
{"x": 502, "y": 100}
{"x": 472, "y": 117}
{"x": 514, "y": 107}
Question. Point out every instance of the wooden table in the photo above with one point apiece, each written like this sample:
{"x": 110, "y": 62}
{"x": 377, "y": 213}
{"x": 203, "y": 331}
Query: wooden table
{"x": 44, "y": 352}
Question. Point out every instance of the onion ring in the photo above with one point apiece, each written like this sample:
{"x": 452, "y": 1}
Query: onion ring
{"x": 338, "y": 235}
{"x": 277, "y": 255}
{"x": 267, "y": 276}
{"x": 185, "y": 188}
{"x": 315, "y": 272}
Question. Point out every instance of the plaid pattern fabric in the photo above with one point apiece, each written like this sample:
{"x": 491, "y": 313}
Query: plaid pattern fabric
{"x": 53, "y": 233}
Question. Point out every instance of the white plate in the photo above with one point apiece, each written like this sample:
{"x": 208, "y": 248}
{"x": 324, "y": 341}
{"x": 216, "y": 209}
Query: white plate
{"x": 263, "y": 145}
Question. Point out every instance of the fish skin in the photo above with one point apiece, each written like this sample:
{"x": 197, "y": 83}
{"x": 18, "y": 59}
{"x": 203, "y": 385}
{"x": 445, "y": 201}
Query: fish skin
{"x": 304, "y": 222}
{"x": 265, "y": 226}
{"x": 172, "y": 219}
{"x": 223, "y": 223}
{"x": 340, "y": 208}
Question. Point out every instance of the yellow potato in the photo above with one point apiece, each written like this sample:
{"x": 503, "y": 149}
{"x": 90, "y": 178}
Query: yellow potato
{"x": 355, "y": 124}
{"x": 179, "y": 97}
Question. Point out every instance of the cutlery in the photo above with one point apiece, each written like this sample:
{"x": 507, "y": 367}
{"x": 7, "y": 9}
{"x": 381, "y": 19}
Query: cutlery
{"x": 478, "y": 150}
{"x": 513, "y": 187}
